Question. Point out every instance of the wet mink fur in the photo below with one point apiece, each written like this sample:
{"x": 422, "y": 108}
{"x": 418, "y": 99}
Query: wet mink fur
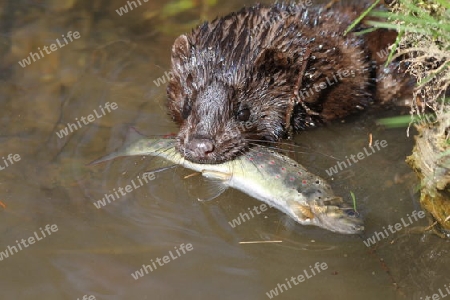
{"x": 256, "y": 74}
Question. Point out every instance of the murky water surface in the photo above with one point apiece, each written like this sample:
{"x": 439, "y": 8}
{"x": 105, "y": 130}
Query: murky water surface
{"x": 56, "y": 244}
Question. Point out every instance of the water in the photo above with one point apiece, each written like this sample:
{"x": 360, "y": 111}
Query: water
{"x": 94, "y": 251}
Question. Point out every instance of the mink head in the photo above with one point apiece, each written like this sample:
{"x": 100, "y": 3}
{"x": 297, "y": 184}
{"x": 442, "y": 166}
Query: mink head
{"x": 224, "y": 102}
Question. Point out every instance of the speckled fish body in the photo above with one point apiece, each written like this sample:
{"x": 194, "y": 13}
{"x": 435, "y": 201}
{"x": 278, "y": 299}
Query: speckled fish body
{"x": 267, "y": 176}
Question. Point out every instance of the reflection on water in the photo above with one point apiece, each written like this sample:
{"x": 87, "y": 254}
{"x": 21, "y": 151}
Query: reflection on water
{"x": 95, "y": 251}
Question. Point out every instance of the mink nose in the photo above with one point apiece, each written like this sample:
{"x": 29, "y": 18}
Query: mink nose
{"x": 200, "y": 147}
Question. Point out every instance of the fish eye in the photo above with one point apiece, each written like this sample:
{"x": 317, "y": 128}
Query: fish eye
{"x": 351, "y": 213}
{"x": 243, "y": 115}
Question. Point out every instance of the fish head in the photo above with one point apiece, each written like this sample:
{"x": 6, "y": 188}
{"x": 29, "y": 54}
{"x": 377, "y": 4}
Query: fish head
{"x": 332, "y": 215}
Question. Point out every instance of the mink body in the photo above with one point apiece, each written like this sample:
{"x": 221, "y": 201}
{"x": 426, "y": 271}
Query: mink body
{"x": 262, "y": 72}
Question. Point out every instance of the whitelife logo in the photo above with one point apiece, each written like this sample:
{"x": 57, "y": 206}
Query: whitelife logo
{"x": 318, "y": 267}
{"x": 378, "y": 236}
{"x": 355, "y": 158}
{"x": 439, "y": 296}
{"x": 123, "y": 191}
{"x": 11, "y": 159}
{"x": 53, "y": 47}
{"x": 90, "y": 118}
{"x": 146, "y": 269}
{"x": 124, "y": 9}
{"x": 317, "y": 87}
{"x": 11, "y": 250}
{"x": 243, "y": 217}
{"x": 163, "y": 79}
{"x": 86, "y": 297}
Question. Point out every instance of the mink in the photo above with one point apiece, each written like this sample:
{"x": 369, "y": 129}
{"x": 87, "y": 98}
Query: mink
{"x": 261, "y": 73}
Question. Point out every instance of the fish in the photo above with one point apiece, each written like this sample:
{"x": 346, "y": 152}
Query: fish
{"x": 261, "y": 173}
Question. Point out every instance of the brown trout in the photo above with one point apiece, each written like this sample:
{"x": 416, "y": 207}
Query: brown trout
{"x": 265, "y": 175}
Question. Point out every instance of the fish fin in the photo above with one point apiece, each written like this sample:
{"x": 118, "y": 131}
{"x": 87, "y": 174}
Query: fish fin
{"x": 132, "y": 136}
{"x": 212, "y": 189}
{"x": 214, "y": 184}
{"x": 103, "y": 159}
{"x": 306, "y": 211}
{"x": 205, "y": 189}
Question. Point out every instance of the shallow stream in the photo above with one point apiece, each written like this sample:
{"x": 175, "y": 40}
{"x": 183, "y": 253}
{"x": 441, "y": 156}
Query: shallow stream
{"x": 93, "y": 252}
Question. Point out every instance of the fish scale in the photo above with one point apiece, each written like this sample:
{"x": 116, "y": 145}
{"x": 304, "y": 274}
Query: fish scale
{"x": 293, "y": 175}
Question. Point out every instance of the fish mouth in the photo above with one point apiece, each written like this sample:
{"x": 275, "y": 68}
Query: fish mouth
{"x": 339, "y": 219}
{"x": 349, "y": 220}
{"x": 333, "y": 215}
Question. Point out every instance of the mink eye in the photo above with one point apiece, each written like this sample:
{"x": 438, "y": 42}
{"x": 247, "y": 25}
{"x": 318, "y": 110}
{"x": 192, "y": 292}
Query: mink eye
{"x": 187, "y": 107}
{"x": 243, "y": 115}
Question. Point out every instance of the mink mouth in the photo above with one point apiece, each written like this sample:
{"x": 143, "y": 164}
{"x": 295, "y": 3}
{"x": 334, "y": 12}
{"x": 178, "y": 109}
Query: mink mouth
{"x": 222, "y": 152}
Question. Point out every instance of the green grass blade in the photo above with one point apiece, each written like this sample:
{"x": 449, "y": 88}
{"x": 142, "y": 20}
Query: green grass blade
{"x": 404, "y": 121}
{"x": 354, "y": 200}
{"x": 368, "y": 30}
{"x": 394, "y": 47}
{"x": 399, "y": 27}
{"x": 394, "y": 122}
{"x": 406, "y": 18}
{"x": 412, "y": 20}
{"x": 360, "y": 17}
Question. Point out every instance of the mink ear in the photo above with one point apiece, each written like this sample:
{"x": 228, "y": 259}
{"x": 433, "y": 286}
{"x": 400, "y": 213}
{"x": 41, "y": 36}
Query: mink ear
{"x": 181, "y": 50}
